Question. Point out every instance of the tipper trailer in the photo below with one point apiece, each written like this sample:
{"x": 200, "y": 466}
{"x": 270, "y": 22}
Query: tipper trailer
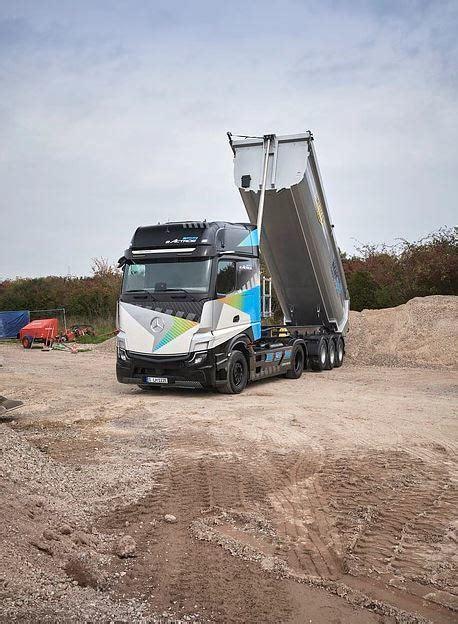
{"x": 190, "y": 307}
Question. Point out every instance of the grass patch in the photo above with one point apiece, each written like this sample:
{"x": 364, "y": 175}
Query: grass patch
{"x": 97, "y": 339}
{"x": 103, "y": 328}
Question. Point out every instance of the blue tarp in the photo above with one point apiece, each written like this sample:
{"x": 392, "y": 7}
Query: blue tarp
{"x": 12, "y": 322}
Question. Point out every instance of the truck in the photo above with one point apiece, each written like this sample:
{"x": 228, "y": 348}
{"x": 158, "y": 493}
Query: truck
{"x": 191, "y": 306}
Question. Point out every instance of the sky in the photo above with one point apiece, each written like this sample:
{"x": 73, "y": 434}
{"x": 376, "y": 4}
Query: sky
{"x": 114, "y": 114}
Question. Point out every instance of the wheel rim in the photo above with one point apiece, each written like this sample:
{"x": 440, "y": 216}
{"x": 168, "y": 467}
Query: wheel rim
{"x": 340, "y": 352}
{"x": 332, "y": 354}
{"x": 323, "y": 354}
{"x": 238, "y": 374}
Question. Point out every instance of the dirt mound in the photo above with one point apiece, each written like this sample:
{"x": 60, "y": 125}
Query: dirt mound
{"x": 422, "y": 332}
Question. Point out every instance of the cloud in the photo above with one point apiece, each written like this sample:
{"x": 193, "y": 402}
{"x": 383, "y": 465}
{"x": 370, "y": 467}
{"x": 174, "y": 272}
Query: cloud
{"x": 114, "y": 115}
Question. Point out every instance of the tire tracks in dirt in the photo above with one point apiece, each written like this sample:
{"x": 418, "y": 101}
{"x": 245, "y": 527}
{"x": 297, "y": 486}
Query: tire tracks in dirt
{"x": 352, "y": 520}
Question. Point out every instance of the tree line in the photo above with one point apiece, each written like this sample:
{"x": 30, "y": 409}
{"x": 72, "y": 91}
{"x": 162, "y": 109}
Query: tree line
{"x": 377, "y": 276}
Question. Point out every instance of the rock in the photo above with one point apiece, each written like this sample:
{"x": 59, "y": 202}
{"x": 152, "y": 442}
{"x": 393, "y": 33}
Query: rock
{"x": 82, "y": 539}
{"x": 85, "y": 570}
{"x": 65, "y": 529}
{"x": 170, "y": 518}
{"x": 49, "y": 534}
{"x": 42, "y": 546}
{"x": 125, "y": 547}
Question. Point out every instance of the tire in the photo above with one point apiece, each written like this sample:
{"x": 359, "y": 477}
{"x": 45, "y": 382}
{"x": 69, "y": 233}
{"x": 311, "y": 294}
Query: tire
{"x": 297, "y": 364}
{"x": 318, "y": 362}
{"x": 340, "y": 352}
{"x": 237, "y": 374}
{"x": 27, "y": 342}
{"x": 331, "y": 359}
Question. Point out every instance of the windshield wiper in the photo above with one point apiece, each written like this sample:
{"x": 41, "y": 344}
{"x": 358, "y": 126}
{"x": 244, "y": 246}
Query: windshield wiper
{"x": 173, "y": 290}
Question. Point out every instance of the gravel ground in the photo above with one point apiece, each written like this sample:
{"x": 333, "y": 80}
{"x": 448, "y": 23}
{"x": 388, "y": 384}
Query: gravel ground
{"x": 327, "y": 499}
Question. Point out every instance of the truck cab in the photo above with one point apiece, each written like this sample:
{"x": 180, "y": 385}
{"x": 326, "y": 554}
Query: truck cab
{"x": 190, "y": 293}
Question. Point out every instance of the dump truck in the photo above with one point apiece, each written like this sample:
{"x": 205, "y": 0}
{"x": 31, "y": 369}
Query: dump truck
{"x": 190, "y": 308}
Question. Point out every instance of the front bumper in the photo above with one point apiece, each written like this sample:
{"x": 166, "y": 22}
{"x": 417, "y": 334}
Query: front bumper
{"x": 177, "y": 369}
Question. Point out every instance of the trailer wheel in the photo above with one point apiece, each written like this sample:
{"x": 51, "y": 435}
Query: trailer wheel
{"x": 331, "y": 359}
{"x": 27, "y": 342}
{"x": 318, "y": 362}
{"x": 340, "y": 352}
{"x": 297, "y": 364}
{"x": 237, "y": 374}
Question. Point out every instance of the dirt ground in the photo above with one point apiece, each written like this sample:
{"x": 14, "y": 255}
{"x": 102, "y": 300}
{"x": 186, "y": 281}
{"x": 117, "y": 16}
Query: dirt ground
{"x": 327, "y": 499}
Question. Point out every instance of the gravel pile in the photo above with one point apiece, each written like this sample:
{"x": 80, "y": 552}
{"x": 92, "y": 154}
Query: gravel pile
{"x": 422, "y": 332}
{"x": 54, "y": 560}
{"x": 107, "y": 346}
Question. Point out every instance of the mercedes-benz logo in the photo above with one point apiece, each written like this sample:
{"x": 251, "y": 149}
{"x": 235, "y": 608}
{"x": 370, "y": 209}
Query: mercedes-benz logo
{"x": 157, "y": 324}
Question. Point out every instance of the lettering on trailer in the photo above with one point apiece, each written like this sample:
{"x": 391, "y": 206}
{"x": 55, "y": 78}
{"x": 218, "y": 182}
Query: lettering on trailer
{"x": 319, "y": 210}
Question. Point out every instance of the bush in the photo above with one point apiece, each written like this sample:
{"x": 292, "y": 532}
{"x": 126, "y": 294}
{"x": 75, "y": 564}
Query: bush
{"x": 381, "y": 277}
{"x": 85, "y": 298}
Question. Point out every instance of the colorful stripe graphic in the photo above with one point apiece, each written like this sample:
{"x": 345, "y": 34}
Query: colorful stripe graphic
{"x": 179, "y": 326}
{"x": 252, "y": 240}
{"x": 249, "y": 302}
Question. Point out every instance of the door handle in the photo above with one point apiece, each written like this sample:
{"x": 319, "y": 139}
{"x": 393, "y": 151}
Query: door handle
{"x": 236, "y": 319}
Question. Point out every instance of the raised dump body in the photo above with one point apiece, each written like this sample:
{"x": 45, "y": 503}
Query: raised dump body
{"x": 298, "y": 242}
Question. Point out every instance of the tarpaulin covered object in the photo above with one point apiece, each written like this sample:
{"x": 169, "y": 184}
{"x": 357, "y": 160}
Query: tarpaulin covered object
{"x": 12, "y": 322}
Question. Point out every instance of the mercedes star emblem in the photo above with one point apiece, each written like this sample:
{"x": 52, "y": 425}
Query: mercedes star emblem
{"x": 157, "y": 324}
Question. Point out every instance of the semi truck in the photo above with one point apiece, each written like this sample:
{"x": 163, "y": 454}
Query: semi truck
{"x": 190, "y": 308}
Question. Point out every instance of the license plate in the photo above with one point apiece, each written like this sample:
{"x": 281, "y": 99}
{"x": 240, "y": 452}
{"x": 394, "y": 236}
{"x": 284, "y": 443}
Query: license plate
{"x": 157, "y": 380}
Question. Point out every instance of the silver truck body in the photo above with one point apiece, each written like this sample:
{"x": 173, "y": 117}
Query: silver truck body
{"x": 298, "y": 242}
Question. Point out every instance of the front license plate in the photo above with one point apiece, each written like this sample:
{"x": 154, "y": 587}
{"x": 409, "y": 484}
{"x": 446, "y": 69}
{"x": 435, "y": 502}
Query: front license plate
{"x": 157, "y": 380}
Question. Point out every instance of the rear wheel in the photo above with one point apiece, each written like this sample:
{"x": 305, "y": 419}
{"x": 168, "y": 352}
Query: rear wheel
{"x": 331, "y": 359}
{"x": 297, "y": 364}
{"x": 318, "y": 361}
{"x": 340, "y": 352}
{"x": 237, "y": 374}
{"x": 27, "y": 342}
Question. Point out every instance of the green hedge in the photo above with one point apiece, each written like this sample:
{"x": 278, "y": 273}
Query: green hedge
{"x": 377, "y": 276}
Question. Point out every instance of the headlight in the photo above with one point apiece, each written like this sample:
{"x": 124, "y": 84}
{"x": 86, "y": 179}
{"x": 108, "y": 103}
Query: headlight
{"x": 121, "y": 348}
{"x": 199, "y": 358}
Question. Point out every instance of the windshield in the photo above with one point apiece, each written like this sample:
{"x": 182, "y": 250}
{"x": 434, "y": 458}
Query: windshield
{"x": 156, "y": 276}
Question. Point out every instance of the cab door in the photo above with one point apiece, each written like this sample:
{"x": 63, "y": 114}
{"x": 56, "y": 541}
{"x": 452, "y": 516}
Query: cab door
{"x": 237, "y": 306}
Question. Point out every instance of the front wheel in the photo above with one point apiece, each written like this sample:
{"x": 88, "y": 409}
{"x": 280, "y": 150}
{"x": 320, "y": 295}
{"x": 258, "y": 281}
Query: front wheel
{"x": 297, "y": 364}
{"x": 237, "y": 374}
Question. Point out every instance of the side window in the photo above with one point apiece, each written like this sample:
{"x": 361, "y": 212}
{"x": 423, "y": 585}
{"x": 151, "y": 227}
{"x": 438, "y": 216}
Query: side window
{"x": 134, "y": 277}
{"x": 245, "y": 271}
{"x": 225, "y": 280}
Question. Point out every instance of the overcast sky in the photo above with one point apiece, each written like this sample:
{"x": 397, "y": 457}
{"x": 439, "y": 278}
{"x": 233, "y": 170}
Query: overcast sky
{"x": 113, "y": 114}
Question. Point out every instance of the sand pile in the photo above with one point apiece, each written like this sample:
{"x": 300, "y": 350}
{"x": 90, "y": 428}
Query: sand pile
{"x": 422, "y": 332}
{"x": 107, "y": 346}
